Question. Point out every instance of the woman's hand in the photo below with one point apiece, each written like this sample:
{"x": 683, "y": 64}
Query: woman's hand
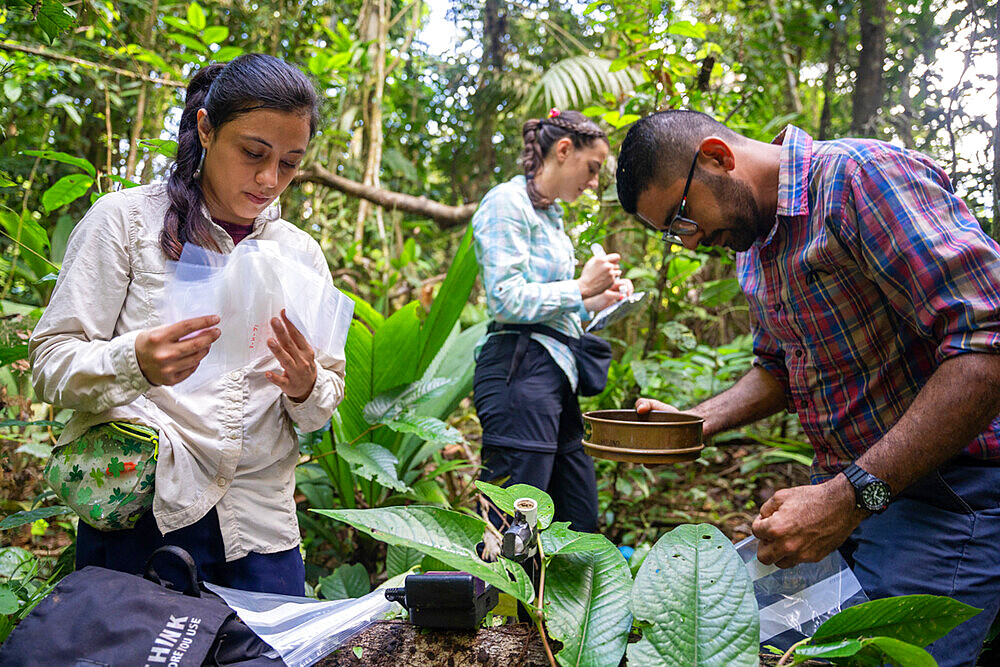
{"x": 166, "y": 357}
{"x": 599, "y": 274}
{"x": 296, "y": 357}
{"x": 601, "y": 301}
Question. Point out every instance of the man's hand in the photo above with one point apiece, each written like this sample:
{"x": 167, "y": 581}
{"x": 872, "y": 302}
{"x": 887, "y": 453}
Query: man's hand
{"x": 805, "y": 523}
{"x": 168, "y": 354}
{"x": 644, "y": 405}
{"x": 296, "y": 357}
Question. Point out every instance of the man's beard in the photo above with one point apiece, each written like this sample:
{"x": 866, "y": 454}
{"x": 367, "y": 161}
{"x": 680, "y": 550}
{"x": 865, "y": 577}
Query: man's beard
{"x": 747, "y": 223}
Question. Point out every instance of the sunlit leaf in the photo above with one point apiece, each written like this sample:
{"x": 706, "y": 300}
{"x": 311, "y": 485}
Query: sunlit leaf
{"x": 65, "y": 158}
{"x": 196, "y": 16}
{"x": 67, "y": 189}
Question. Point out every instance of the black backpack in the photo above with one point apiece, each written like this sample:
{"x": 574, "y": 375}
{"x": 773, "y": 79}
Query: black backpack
{"x": 97, "y": 617}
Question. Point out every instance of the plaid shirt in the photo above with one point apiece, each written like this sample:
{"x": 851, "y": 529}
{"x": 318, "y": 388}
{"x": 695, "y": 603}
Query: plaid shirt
{"x": 527, "y": 262}
{"x": 874, "y": 273}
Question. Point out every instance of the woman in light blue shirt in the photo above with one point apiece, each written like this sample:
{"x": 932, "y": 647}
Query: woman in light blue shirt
{"x": 525, "y": 385}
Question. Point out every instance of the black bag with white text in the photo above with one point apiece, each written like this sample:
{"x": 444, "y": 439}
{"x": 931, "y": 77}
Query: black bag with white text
{"x": 98, "y": 617}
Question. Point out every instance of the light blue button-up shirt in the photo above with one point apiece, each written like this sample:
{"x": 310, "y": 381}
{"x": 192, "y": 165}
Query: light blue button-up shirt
{"x": 527, "y": 264}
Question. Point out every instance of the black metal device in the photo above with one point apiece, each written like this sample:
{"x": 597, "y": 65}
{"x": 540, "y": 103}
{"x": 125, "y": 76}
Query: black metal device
{"x": 445, "y": 600}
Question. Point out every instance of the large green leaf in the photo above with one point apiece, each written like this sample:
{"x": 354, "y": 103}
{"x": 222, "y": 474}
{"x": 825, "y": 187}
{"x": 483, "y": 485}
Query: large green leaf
{"x": 54, "y": 18}
{"x": 915, "y": 619}
{"x": 393, "y": 403}
{"x": 364, "y": 312}
{"x": 447, "y": 305}
{"x": 696, "y": 595}
{"x": 13, "y": 353}
{"x": 896, "y": 651}
{"x": 65, "y": 158}
{"x": 587, "y": 605}
{"x": 347, "y": 581}
{"x": 24, "y": 227}
{"x": 455, "y": 361}
{"x": 559, "y": 539}
{"x": 575, "y": 82}
{"x": 504, "y": 498}
{"x": 395, "y": 351}
{"x": 426, "y": 428}
{"x": 400, "y": 559}
{"x": 67, "y": 189}
{"x": 21, "y": 518}
{"x": 373, "y": 462}
{"x": 444, "y": 534}
{"x": 358, "y": 379}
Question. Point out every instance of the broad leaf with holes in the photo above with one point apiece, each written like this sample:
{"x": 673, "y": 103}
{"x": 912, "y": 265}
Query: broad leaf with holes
{"x": 443, "y": 534}
{"x": 695, "y": 594}
{"x": 374, "y": 462}
{"x": 587, "y": 604}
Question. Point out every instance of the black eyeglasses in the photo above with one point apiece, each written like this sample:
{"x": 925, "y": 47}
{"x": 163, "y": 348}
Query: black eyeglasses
{"x": 679, "y": 225}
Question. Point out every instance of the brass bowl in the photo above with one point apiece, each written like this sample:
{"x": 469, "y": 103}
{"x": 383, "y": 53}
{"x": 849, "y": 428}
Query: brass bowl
{"x": 653, "y": 437}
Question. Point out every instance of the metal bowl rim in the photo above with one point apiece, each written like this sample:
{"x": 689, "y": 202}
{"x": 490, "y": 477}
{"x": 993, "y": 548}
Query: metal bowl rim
{"x": 693, "y": 419}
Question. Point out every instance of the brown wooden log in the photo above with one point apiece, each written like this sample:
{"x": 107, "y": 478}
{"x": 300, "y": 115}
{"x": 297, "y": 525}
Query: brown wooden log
{"x": 444, "y": 215}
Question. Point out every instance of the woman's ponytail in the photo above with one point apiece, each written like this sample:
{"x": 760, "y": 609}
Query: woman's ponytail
{"x": 540, "y": 134}
{"x": 184, "y": 221}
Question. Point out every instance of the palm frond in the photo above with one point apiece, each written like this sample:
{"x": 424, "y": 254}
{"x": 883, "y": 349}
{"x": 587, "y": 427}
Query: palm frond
{"x": 578, "y": 81}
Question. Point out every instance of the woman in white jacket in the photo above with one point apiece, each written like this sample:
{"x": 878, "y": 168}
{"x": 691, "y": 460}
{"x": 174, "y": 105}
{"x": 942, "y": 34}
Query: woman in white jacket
{"x": 225, "y": 473}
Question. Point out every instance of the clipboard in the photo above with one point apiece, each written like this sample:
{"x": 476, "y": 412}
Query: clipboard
{"x": 617, "y": 311}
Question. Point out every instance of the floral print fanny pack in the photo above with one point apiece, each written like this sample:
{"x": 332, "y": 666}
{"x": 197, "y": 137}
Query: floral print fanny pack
{"x": 107, "y": 474}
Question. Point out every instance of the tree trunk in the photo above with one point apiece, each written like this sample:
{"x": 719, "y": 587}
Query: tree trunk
{"x": 996, "y": 131}
{"x": 485, "y": 102}
{"x": 373, "y": 24}
{"x": 146, "y": 38}
{"x": 830, "y": 78}
{"x": 791, "y": 78}
{"x": 869, "y": 85}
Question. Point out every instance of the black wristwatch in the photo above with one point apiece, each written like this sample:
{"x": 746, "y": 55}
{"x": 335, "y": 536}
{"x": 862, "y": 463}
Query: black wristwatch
{"x": 870, "y": 492}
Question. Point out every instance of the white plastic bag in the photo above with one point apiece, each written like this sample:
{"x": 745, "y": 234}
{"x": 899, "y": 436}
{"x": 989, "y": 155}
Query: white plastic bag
{"x": 303, "y": 630}
{"x": 795, "y": 601}
{"x": 246, "y": 288}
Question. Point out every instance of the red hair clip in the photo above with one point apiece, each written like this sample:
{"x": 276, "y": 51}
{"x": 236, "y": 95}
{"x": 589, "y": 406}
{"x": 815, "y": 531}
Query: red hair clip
{"x": 553, "y": 112}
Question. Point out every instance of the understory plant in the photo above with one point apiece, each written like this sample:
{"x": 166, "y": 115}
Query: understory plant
{"x": 691, "y": 598}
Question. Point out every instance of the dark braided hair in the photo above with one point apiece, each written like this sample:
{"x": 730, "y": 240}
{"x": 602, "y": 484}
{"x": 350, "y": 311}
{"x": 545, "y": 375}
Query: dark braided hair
{"x": 540, "y": 134}
{"x": 252, "y": 81}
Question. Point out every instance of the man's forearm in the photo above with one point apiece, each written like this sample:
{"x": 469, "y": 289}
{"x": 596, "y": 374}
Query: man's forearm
{"x": 958, "y": 402}
{"x": 754, "y": 396}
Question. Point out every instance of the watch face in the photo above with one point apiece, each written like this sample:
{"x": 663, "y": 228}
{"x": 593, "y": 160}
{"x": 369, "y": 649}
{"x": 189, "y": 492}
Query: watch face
{"x": 875, "y": 495}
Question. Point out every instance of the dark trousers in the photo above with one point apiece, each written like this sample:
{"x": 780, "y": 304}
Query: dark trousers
{"x": 532, "y": 429}
{"x": 941, "y": 537}
{"x": 127, "y": 551}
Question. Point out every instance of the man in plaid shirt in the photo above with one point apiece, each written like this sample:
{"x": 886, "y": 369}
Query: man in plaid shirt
{"x": 875, "y": 302}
